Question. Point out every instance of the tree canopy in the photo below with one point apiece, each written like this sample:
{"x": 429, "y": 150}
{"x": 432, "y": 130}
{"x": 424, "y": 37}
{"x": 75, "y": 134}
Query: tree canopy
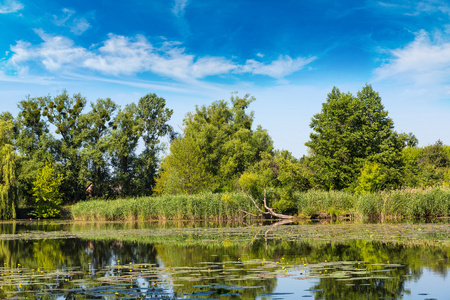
{"x": 349, "y": 131}
{"x": 219, "y": 140}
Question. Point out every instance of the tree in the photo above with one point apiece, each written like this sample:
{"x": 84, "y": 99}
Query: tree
{"x": 122, "y": 147}
{"x": 222, "y": 138}
{"x": 348, "y": 132}
{"x": 97, "y": 129}
{"x": 33, "y": 142}
{"x": 153, "y": 116}
{"x": 184, "y": 170}
{"x": 8, "y": 160}
{"x": 46, "y": 193}
{"x": 64, "y": 112}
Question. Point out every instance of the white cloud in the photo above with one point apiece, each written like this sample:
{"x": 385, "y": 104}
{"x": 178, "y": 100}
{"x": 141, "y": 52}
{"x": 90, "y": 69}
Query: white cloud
{"x": 119, "y": 55}
{"x": 424, "y": 60}
{"x": 79, "y": 26}
{"x": 76, "y": 25}
{"x": 279, "y": 68}
{"x": 10, "y": 6}
{"x": 178, "y": 7}
{"x": 54, "y": 53}
{"x": 415, "y": 8}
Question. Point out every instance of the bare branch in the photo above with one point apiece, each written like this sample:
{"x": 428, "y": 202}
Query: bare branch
{"x": 271, "y": 212}
{"x": 254, "y": 202}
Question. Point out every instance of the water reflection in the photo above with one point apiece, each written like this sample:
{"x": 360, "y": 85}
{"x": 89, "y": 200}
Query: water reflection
{"x": 257, "y": 268}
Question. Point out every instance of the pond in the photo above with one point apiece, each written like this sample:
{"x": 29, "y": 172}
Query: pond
{"x": 188, "y": 260}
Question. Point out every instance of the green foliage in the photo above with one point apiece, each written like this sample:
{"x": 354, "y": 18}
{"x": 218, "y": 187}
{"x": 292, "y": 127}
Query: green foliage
{"x": 348, "y": 131}
{"x": 97, "y": 126}
{"x": 184, "y": 171}
{"x": 8, "y": 160}
{"x": 65, "y": 113}
{"x": 435, "y": 155}
{"x": 46, "y": 193}
{"x": 370, "y": 179}
{"x": 153, "y": 116}
{"x": 33, "y": 142}
{"x": 220, "y": 139}
{"x": 285, "y": 206}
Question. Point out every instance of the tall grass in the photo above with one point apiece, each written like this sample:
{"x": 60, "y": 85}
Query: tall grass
{"x": 182, "y": 207}
{"x": 332, "y": 202}
{"x": 407, "y": 203}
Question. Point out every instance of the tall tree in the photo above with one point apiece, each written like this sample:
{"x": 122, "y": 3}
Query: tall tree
{"x": 8, "y": 160}
{"x": 122, "y": 147}
{"x": 97, "y": 129}
{"x": 153, "y": 116}
{"x": 348, "y": 131}
{"x": 222, "y": 138}
{"x": 64, "y": 113}
{"x": 33, "y": 141}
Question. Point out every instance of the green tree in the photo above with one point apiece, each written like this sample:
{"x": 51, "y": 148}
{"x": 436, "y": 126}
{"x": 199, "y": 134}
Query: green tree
{"x": 223, "y": 139}
{"x": 97, "y": 128}
{"x": 184, "y": 170}
{"x": 153, "y": 116}
{"x": 122, "y": 147}
{"x": 8, "y": 160}
{"x": 46, "y": 193}
{"x": 348, "y": 132}
{"x": 64, "y": 112}
{"x": 33, "y": 142}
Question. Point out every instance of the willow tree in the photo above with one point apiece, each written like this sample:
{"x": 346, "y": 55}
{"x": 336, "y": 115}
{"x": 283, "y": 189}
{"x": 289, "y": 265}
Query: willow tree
{"x": 7, "y": 170}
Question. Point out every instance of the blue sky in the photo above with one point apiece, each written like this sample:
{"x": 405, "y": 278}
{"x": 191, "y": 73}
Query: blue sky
{"x": 288, "y": 54}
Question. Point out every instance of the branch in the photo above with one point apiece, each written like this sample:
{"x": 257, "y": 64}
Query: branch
{"x": 254, "y": 202}
{"x": 281, "y": 216}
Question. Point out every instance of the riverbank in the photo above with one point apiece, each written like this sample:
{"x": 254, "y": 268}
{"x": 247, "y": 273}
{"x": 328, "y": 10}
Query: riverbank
{"x": 400, "y": 204}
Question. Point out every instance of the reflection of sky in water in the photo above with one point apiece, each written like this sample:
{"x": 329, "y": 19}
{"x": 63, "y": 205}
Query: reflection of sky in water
{"x": 435, "y": 286}
{"x": 299, "y": 288}
{"x": 430, "y": 285}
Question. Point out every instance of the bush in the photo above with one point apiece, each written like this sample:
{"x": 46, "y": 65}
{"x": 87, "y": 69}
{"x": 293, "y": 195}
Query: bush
{"x": 46, "y": 194}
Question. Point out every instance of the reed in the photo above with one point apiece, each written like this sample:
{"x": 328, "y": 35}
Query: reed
{"x": 180, "y": 207}
{"x": 399, "y": 204}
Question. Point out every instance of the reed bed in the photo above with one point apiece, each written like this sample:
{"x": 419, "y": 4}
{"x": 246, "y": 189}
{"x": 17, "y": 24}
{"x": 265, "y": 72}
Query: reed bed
{"x": 399, "y": 204}
{"x": 206, "y": 206}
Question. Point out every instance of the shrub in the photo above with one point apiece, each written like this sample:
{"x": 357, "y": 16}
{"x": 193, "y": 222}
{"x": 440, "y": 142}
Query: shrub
{"x": 46, "y": 193}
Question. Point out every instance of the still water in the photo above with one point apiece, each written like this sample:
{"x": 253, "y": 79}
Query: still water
{"x": 58, "y": 260}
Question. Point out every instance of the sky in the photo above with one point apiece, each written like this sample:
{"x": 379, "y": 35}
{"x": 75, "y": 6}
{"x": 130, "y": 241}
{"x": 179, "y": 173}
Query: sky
{"x": 287, "y": 54}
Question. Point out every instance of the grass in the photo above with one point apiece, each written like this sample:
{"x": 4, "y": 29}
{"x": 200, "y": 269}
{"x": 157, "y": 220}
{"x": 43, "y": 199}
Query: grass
{"x": 181, "y": 207}
{"x": 399, "y": 204}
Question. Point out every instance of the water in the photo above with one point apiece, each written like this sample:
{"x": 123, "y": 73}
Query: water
{"x": 186, "y": 260}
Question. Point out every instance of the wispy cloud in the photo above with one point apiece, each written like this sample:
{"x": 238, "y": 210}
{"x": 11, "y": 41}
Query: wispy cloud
{"x": 178, "y": 7}
{"x": 53, "y": 53}
{"x": 424, "y": 60}
{"x": 121, "y": 55}
{"x": 77, "y": 25}
{"x": 10, "y": 6}
{"x": 279, "y": 68}
{"x": 415, "y": 8}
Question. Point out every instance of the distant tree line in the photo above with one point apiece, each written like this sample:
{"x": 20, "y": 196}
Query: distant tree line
{"x": 61, "y": 145}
